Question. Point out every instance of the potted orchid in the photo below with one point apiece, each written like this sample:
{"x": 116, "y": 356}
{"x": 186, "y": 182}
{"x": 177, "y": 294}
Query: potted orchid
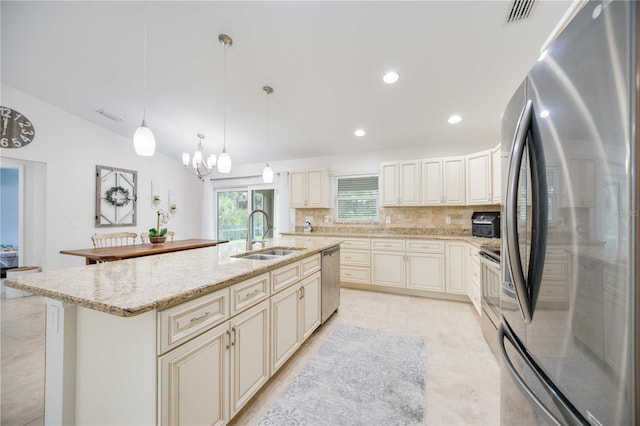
{"x": 158, "y": 235}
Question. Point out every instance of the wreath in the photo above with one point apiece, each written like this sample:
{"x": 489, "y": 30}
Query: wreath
{"x": 118, "y": 196}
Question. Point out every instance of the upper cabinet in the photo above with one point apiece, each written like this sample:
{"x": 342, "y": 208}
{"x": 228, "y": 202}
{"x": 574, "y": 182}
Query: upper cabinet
{"x": 442, "y": 181}
{"x": 400, "y": 183}
{"x": 453, "y": 181}
{"x": 479, "y": 178}
{"x": 499, "y": 163}
{"x": 581, "y": 191}
{"x": 309, "y": 189}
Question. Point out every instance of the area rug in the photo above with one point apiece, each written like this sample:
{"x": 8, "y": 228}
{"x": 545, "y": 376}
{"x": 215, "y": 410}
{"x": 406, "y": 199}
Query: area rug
{"x": 358, "y": 377}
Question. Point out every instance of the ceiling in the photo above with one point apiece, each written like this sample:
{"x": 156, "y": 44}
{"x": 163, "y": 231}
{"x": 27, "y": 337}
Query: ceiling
{"x": 325, "y": 61}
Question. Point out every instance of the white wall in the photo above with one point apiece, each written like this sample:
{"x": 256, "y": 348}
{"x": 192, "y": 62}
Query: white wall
{"x": 71, "y": 148}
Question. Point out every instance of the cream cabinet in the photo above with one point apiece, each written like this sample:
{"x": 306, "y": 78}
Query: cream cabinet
{"x": 478, "y": 174}
{"x": 295, "y": 315}
{"x": 453, "y": 181}
{"x": 249, "y": 365}
{"x": 309, "y": 189}
{"x": 443, "y": 181}
{"x": 555, "y": 276}
{"x": 474, "y": 290}
{"x": 499, "y": 164}
{"x": 387, "y": 268}
{"x": 581, "y": 189}
{"x": 210, "y": 378}
{"x": 616, "y": 310}
{"x": 425, "y": 265}
{"x": 432, "y": 182}
{"x": 194, "y": 381}
{"x": 355, "y": 260}
{"x": 456, "y": 267}
{"x": 400, "y": 181}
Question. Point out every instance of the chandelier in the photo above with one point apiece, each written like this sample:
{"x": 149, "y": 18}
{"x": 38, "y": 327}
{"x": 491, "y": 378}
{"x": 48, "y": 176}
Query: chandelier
{"x": 198, "y": 165}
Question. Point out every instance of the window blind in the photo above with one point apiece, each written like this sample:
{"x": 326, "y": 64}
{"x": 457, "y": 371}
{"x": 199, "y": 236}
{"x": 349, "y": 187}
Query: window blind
{"x": 357, "y": 198}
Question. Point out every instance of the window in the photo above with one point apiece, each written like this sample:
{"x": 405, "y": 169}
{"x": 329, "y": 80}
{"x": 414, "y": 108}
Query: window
{"x": 357, "y": 198}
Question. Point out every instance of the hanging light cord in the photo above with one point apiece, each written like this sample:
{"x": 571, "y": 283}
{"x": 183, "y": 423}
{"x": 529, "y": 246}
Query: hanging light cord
{"x": 144, "y": 67}
{"x": 267, "y": 136}
{"x": 224, "y": 97}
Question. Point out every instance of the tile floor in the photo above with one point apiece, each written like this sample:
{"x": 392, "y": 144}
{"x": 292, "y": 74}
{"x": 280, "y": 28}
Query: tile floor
{"x": 462, "y": 374}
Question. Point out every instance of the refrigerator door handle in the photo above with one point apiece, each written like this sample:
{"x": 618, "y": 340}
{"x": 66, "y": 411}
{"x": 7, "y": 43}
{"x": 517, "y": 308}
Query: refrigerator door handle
{"x": 514, "y": 260}
{"x": 570, "y": 415}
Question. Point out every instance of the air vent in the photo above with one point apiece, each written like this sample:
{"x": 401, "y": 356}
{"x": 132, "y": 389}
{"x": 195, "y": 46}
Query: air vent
{"x": 520, "y": 9}
{"x": 109, "y": 115}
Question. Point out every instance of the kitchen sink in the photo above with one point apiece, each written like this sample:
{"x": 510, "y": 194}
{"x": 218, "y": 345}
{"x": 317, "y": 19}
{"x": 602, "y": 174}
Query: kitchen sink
{"x": 258, "y": 256}
{"x": 279, "y": 252}
{"x": 268, "y": 254}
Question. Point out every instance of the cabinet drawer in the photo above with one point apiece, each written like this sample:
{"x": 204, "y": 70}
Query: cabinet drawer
{"x": 284, "y": 277}
{"x": 355, "y": 257}
{"x": 555, "y": 269}
{"x": 556, "y": 252}
{"x": 425, "y": 246}
{"x": 356, "y": 243}
{"x": 249, "y": 292}
{"x": 310, "y": 265}
{"x": 387, "y": 245}
{"x": 549, "y": 291}
{"x": 355, "y": 275}
{"x": 178, "y": 324}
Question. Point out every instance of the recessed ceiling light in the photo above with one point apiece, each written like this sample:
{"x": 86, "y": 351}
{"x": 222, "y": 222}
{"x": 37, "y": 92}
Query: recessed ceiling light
{"x": 544, "y": 113}
{"x": 390, "y": 77}
{"x": 454, "y": 119}
{"x": 359, "y": 132}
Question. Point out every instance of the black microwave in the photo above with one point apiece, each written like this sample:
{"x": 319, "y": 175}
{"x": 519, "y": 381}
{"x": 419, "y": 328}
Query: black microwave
{"x": 485, "y": 224}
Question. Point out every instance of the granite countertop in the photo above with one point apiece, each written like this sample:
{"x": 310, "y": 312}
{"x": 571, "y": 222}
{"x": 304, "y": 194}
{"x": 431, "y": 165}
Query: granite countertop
{"x": 475, "y": 241}
{"x": 133, "y": 286}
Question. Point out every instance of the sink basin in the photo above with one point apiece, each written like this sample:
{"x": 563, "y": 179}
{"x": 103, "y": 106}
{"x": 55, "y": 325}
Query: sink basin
{"x": 258, "y": 256}
{"x": 268, "y": 254}
{"x": 279, "y": 252}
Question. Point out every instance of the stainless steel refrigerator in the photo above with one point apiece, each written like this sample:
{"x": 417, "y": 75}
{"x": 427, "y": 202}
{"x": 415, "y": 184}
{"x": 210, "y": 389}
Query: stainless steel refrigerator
{"x": 569, "y": 300}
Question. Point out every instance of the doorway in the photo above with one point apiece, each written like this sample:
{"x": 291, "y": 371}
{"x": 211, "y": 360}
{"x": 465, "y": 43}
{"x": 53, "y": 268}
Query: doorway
{"x": 233, "y": 207}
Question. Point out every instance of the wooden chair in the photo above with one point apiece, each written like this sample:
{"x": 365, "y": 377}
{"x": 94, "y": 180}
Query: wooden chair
{"x": 144, "y": 236}
{"x": 114, "y": 239}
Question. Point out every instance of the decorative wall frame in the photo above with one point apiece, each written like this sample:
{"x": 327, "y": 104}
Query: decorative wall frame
{"x": 116, "y": 196}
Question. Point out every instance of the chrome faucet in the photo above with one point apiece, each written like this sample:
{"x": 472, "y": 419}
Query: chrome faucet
{"x": 250, "y": 239}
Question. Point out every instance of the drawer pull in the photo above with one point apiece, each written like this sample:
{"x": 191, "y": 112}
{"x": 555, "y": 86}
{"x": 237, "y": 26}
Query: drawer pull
{"x": 347, "y": 274}
{"x": 198, "y": 318}
{"x": 251, "y": 294}
{"x": 228, "y": 338}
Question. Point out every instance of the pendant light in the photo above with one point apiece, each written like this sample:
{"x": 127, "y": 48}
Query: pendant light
{"x": 224, "y": 161}
{"x": 267, "y": 172}
{"x": 143, "y": 140}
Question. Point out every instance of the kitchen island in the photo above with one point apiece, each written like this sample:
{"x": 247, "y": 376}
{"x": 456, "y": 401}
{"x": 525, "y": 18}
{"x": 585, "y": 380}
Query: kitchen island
{"x": 174, "y": 338}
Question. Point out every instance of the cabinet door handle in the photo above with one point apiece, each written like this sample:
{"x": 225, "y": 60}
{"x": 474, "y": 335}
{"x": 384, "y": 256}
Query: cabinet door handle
{"x": 233, "y": 329}
{"x": 198, "y": 318}
{"x": 228, "y": 338}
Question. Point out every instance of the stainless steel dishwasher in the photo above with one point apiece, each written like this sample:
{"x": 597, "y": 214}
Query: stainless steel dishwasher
{"x": 330, "y": 281}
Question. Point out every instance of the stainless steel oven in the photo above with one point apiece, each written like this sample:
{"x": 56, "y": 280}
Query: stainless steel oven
{"x": 491, "y": 283}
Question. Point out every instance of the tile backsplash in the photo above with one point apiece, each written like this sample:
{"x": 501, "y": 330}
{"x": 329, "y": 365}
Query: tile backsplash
{"x": 422, "y": 220}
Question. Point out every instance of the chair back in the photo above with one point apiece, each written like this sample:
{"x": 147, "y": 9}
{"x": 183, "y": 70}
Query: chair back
{"x": 114, "y": 239}
{"x": 144, "y": 237}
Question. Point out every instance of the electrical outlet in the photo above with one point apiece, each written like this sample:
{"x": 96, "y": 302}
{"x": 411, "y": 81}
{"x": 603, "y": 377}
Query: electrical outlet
{"x": 387, "y": 220}
{"x": 308, "y": 219}
{"x": 447, "y": 220}
{"x": 327, "y": 218}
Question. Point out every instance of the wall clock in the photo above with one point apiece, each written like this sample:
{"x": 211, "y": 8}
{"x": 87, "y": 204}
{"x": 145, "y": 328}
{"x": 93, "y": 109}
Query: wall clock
{"x": 16, "y": 129}
{"x": 116, "y": 196}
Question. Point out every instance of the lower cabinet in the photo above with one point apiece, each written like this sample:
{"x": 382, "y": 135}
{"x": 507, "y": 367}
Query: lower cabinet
{"x": 474, "y": 290}
{"x": 295, "y": 314}
{"x": 215, "y": 372}
{"x": 194, "y": 381}
{"x": 425, "y": 271}
{"x": 208, "y": 380}
{"x": 387, "y": 268}
{"x": 457, "y": 264}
